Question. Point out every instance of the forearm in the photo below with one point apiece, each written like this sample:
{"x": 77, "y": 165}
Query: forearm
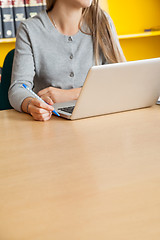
{"x": 17, "y": 95}
{"x": 60, "y": 95}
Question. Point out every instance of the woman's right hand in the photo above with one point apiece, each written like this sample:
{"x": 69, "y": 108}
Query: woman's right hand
{"x": 40, "y": 111}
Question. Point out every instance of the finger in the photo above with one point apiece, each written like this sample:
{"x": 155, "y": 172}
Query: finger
{"x": 47, "y": 99}
{"x": 44, "y": 91}
{"x": 42, "y": 105}
{"x": 42, "y": 117}
{"x": 33, "y": 109}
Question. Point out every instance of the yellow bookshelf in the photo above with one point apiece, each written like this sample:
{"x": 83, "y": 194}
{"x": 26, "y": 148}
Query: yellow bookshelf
{"x": 131, "y": 18}
{"x": 6, "y": 44}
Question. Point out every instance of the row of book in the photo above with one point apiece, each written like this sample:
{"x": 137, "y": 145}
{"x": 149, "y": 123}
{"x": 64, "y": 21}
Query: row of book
{"x": 12, "y": 12}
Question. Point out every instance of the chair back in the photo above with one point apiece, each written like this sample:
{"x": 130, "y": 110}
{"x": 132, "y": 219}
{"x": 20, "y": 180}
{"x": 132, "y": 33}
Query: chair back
{"x": 6, "y": 81}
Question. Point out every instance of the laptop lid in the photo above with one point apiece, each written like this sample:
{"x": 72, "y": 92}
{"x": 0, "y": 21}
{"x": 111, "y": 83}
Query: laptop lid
{"x": 116, "y": 87}
{"x": 119, "y": 87}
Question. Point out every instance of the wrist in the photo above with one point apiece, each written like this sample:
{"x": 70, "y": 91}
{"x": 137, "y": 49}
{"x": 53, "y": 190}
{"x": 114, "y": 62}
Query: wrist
{"x": 25, "y": 104}
{"x": 75, "y": 93}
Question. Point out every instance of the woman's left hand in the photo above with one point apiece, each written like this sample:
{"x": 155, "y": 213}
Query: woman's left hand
{"x": 59, "y": 95}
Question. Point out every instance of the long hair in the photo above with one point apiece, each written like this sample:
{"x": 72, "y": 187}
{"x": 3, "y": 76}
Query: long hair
{"x": 104, "y": 40}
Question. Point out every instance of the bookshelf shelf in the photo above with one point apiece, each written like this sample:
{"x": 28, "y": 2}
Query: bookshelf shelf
{"x": 139, "y": 35}
{"x": 7, "y": 40}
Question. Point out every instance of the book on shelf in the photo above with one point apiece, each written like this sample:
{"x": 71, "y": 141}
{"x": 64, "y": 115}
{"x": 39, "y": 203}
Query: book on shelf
{"x": 43, "y": 4}
{"x": 1, "y": 34}
{"x": 33, "y": 7}
{"x": 18, "y": 12}
{"x": 7, "y": 18}
{"x": 13, "y": 12}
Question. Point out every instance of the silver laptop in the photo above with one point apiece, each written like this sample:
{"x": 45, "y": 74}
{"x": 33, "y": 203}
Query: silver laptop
{"x": 115, "y": 88}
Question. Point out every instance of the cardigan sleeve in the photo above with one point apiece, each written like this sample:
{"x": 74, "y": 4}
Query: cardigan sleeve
{"x": 23, "y": 70}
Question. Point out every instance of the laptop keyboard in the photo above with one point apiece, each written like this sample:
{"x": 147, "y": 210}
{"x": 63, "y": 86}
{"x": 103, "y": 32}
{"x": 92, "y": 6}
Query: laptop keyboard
{"x": 67, "y": 109}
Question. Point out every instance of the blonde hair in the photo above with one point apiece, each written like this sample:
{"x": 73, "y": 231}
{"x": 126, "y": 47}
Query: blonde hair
{"x": 104, "y": 40}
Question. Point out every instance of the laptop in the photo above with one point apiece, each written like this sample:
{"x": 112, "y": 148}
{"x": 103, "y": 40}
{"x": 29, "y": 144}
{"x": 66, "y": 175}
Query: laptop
{"x": 114, "y": 88}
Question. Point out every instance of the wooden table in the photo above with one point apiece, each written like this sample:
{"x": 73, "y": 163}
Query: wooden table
{"x": 92, "y": 179}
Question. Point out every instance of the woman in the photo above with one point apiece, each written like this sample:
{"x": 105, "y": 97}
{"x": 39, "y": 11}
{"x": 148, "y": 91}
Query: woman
{"x": 55, "y": 50}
